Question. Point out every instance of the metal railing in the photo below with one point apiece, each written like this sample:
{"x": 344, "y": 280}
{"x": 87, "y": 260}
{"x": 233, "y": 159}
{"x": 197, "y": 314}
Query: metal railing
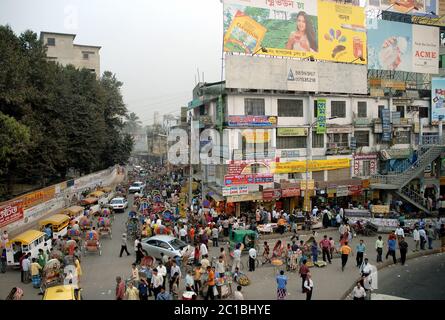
{"x": 433, "y": 140}
{"x": 414, "y": 196}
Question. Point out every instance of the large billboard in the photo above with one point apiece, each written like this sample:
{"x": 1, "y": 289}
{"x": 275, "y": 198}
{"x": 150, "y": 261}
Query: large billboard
{"x": 413, "y": 7}
{"x": 437, "y": 100}
{"x": 397, "y": 46}
{"x": 320, "y": 29}
{"x": 293, "y": 75}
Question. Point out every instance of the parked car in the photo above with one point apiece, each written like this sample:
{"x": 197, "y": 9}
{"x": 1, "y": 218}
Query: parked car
{"x": 137, "y": 187}
{"x": 169, "y": 246}
{"x": 118, "y": 204}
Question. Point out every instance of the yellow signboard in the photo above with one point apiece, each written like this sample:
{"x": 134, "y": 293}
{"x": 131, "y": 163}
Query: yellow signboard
{"x": 257, "y": 136}
{"x": 314, "y": 165}
{"x": 292, "y": 132}
{"x": 310, "y": 185}
{"x": 341, "y": 32}
{"x": 380, "y": 209}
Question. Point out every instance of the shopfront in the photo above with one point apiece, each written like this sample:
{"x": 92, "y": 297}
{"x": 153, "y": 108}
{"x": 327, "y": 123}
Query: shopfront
{"x": 245, "y": 202}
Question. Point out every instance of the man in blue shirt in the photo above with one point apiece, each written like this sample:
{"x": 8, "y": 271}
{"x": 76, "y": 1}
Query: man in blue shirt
{"x": 163, "y": 295}
{"x": 360, "y": 253}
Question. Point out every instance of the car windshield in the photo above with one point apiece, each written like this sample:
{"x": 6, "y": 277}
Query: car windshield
{"x": 137, "y": 184}
{"x": 115, "y": 201}
{"x": 177, "y": 244}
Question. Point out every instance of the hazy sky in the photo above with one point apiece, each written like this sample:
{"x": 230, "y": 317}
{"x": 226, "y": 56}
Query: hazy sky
{"x": 155, "y": 47}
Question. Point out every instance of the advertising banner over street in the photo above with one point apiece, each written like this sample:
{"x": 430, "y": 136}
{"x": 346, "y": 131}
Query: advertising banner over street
{"x": 437, "y": 100}
{"x": 323, "y": 30}
{"x": 400, "y": 46}
{"x": 314, "y": 165}
{"x": 295, "y": 75}
{"x": 11, "y": 212}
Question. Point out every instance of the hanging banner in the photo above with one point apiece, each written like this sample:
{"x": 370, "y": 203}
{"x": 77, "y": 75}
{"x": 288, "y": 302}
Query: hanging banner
{"x": 437, "y": 100}
{"x": 11, "y": 212}
{"x": 314, "y": 165}
{"x": 321, "y": 116}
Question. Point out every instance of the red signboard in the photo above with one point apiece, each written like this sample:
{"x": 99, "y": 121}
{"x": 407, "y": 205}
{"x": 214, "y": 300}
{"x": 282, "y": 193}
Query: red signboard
{"x": 10, "y": 213}
{"x": 290, "y": 192}
{"x": 248, "y": 179}
{"x": 269, "y": 195}
{"x": 355, "y": 190}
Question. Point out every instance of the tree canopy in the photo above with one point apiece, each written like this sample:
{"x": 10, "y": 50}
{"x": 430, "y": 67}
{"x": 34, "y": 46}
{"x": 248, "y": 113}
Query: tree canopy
{"x": 55, "y": 119}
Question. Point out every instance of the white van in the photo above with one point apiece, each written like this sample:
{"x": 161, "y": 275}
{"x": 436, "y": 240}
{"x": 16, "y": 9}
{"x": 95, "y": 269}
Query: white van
{"x": 29, "y": 241}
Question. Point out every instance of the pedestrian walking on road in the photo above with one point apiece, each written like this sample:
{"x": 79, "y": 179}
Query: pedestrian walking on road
{"x": 431, "y": 235}
{"x": 403, "y": 247}
{"x": 423, "y": 238}
{"x": 325, "y": 246}
{"x": 26, "y": 267}
{"x": 345, "y": 251}
{"x": 416, "y": 237}
{"x": 308, "y": 287}
{"x": 210, "y": 283}
{"x": 281, "y": 286}
{"x": 361, "y": 247}
{"x": 252, "y": 259}
{"x": 120, "y": 289}
{"x": 392, "y": 248}
{"x": 124, "y": 245}
{"x": 379, "y": 249}
{"x": 304, "y": 270}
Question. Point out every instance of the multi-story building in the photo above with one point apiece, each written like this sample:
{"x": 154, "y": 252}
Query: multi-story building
{"x": 61, "y": 49}
{"x": 279, "y": 134}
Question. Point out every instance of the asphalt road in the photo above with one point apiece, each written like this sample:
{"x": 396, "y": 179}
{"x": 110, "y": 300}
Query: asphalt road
{"x": 420, "y": 279}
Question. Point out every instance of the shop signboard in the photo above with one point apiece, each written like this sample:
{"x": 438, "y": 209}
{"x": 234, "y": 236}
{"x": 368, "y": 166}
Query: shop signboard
{"x": 396, "y": 118}
{"x": 240, "y": 167}
{"x": 355, "y": 190}
{"x": 380, "y": 209}
{"x": 292, "y": 132}
{"x": 314, "y": 165}
{"x": 256, "y": 196}
{"x": 256, "y": 136}
{"x": 310, "y": 185}
{"x": 273, "y": 194}
{"x": 386, "y": 125}
{"x": 290, "y": 192}
{"x": 252, "y": 121}
{"x": 11, "y": 212}
{"x": 290, "y": 153}
{"x": 342, "y": 191}
{"x": 230, "y": 191}
{"x": 230, "y": 180}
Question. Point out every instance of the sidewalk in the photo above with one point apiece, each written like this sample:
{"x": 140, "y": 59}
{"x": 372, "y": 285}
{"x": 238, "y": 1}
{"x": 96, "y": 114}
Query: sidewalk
{"x": 35, "y": 224}
{"x": 330, "y": 283}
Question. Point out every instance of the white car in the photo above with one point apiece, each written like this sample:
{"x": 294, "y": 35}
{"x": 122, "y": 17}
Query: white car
{"x": 169, "y": 246}
{"x": 119, "y": 204}
{"x": 137, "y": 187}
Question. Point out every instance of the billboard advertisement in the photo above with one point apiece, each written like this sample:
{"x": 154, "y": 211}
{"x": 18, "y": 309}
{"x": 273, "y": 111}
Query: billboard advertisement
{"x": 11, "y": 212}
{"x": 295, "y": 75}
{"x": 231, "y": 191}
{"x": 437, "y": 100}
{"x": 231, "y": 180}
{"x": 324, "y": 30}
{"x": 413, "y": 7}
{"x": 248, "y": 167}
{"x": 397, "y": 46}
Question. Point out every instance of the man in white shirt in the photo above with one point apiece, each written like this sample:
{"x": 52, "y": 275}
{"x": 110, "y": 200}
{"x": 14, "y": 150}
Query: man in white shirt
{"x": 203, "y": 250}
{"x": 423, "y": 238}
{"x": 26, "y": 267}
{"x": 359, "y": 292}
{"x": 252, "y": 258}
{"x": 175, "y": 268}
{"x": 238, "y": 295}
{"x": 220, "y": 267}
{"x": 215, "y": 235}
{"x": 162, "y": 270}
{"x": 136, "y": 243}
{"x": 400, "y": 233}
{"x": 236, "y": 259}
{"x": 157, "y": 282}
{"x": 183, "y": 234}
{"x": 205, "y": 263}
{"x": 274, "y": 215}
{"x": 416, "y": 237}
{"x": 314, "y": 211}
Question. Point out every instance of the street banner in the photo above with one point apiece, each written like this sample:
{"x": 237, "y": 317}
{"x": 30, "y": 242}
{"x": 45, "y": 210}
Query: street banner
{"x": 321, "y": 116}
{"x": 437, "y": 100}
{"x": 323, "y": 30}
{"x": 314, "y": 165}
{"x": 11, "y": 212}
{"x": 397, "y": 46}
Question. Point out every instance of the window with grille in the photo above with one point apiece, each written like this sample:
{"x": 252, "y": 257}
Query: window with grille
{"x": 362, "y": 138}
{"x": 362, "y": 109}
{"x": 365, "y": 170}
{"x": 317, "y": 140}
{"x": 290, "y": 108}
{"x": 291, "y": 142}
{"x": 423, "y": 112}
{"x": 339, "y": 139}
{"x": 402, "y": 137}
{"x": 338, "y": 109}
{"x": 51, "y": 41}
{"x": 254, "y": 107}
{"x": 259, "y": 150}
